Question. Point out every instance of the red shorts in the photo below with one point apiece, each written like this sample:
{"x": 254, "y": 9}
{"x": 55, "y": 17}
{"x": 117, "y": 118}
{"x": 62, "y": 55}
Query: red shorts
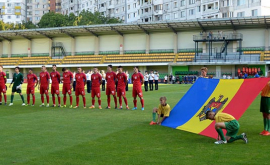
{"x": 79, "y": 91}
{"x": 110, "y": 90}
{"x": 121, "y": 92}
{"x": 43, "y": 90}
{"x": 66, "y": 89}
{"x": 3, "y": 88}
{"x": 95, "y": 92}
{"x": 30, "y": 90}
{"x": 55, "y": 90}
{"x": 137, "y": 92}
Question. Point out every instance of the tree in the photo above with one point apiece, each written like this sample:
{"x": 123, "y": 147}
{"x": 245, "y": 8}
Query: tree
{"x": 52, "y": 19}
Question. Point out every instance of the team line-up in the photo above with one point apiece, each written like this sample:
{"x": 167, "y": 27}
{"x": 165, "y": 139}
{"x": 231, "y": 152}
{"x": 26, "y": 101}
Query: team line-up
{"x": 43, "y": 83}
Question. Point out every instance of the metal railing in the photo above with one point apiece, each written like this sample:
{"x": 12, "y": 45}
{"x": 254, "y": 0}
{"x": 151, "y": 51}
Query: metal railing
{"x": 221, "y": 36}
{"x": 85, "y": 53}
{"x": 161, "y": 51}
{"x": 134, "y": 51}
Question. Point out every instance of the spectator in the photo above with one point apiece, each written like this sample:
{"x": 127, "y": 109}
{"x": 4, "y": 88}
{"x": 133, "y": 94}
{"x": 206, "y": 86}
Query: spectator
{"x": 103, "y": 75}
{"x": 173, "y": 79}
{"x": 224, "y": 76}
{"x": 246, "y": 75}
{"x": 170, "y": 78}
{"x": 229, "y": 77}
{"x": 151, "y": 80}
{"x": 88, "y": 82}
{"x": 165, "y": 79}
{"x": 256, "y": 75}
{"x": 156, "y": 77}
{"x": 146, "y": 77}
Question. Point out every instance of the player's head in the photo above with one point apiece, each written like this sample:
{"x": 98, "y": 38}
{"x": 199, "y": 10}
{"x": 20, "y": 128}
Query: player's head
{"x": 17, "y": 69}
{"x": 43, "y": 68}
{"x": 163, "y": 100}
{"x": 95, "y": 70}
{"x": 1, "y": 68}
{"x": 210, "y": 115}
{"x": 54, "y": 67}
{"x": 79, "y": 69}
{"x": 146, "y": 72}
{"x": 204, "y": 71}
{"x": 126, "y": 72}
{"x": 151, "y": 71}
{"x": 30, "y": 70}
{"x": 136, "y": 69}
{"x": 120, "y": 69}
{"x": 109, "y": 68}
{"x": 64, "y": 69}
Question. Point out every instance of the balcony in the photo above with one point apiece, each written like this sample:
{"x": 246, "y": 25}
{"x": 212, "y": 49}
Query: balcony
{"x": 209, "y": 11}
{"x": 111, "y": 6}
{"x": 17, "y": 13}
{"x": 158, "y": 12}
{"x": 17, "y": 7}
{"x": 158, "y": 2}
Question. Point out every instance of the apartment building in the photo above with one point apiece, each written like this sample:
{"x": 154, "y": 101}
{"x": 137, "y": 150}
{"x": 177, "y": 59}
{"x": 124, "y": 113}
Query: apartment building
{"x": 12, "y": 11}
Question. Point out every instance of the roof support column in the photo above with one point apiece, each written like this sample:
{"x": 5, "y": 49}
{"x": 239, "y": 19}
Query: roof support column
{"x": 97, "y": 45}
{"x": 266, "y": 39}
{"x": 50, "y": 47}
{"x": 204, "y": 47}
{"x": 1, "y": 48}
{"x": 9, "y": 48}
{"x": 175, "y": 46}
{"x": 29, "y": 51}
{"x": 121, "y": 42}
{"x": 147, "y": 45}
{"x": 73, "y": 46}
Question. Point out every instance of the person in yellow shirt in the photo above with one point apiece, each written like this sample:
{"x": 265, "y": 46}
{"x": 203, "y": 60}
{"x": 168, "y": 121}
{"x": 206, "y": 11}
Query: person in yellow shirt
{"x": 228, "y": 122}
{"x": 163, "y": 111}
{"x": 265, "y": 107}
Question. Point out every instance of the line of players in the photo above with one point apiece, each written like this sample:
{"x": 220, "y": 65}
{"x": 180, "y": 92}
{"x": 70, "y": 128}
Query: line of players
{"x": 67, "y": 80}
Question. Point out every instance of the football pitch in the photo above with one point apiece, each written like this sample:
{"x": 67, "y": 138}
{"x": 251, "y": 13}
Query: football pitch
{"x": 40, "y": 135}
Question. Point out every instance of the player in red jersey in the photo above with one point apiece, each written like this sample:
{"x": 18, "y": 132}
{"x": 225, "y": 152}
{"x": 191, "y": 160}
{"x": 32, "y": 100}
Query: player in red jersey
{"x": 67, "y": 85}
{"x": 137, "y": 80}
{"x": 3, "y": 81}
{"x": 96, "y": 81}
{"x": 80, "y": 78}
{"x": 55, "y": 76}
{"x": 44, "y": 82}
{"x": 121, "y": 78}
{"x": 32, "y": 82}
{"x": 110, "y": 89}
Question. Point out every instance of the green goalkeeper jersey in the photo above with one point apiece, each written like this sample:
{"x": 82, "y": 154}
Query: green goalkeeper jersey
{"x": 17, "y": 79}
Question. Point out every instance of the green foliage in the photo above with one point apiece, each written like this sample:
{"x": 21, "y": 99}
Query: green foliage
{"x": 12, "y": 26}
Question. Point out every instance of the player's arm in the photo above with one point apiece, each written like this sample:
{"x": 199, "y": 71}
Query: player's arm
{"x": 85, "y": 80}
{"x": 142, "y": 78}
{"x": 11, "y": 81}
{"x": 71, "y": 79}
{"x": 100, "y": 79}
{"x": 48, "y": 79}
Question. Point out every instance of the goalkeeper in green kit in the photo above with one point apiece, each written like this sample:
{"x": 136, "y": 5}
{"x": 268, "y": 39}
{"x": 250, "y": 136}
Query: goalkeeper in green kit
{"x": 17, "y": 82}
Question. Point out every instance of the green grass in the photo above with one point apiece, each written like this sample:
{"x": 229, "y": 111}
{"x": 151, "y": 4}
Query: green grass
{"x": 34, "y": 135}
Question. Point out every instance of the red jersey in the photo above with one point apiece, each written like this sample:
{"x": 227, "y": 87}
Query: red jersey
{"x": 96, "y": 78}
{"x": 137, "y": 79}
{"x": 121, "y": 77}
{"x": 67, "y": 77}
{"x": 80, "y": 80}
{"x": 3, "y": 78}
{"x": 31, "y": 80}
{"x": 55, "y": 76}
{"x": 110, "y": 78}
{"x": 44, "y": 78}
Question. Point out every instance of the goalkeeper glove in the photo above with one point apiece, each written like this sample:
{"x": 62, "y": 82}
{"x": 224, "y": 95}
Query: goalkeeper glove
{"x": 19, "y": 87}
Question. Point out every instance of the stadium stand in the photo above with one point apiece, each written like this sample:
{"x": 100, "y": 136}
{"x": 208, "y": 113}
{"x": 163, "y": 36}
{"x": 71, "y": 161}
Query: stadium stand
{"x": 34, "y": 61}
{"x": 140, "y": 58}
{"x": 185, "y": 57}
{"x": 84, "y": 59}
{"x": 55, "y": 61}
{"x": 9, "y": 61}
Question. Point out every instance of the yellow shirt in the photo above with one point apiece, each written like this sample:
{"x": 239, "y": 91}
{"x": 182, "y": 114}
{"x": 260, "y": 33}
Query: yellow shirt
{"x": 266, "y": 91}
{"x": 165, "y": 110}
{"x": 223, "y": 117}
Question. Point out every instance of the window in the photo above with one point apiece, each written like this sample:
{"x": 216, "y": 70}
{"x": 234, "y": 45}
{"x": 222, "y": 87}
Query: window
{"x": 134, "y": 5}
{"x": 134, "y": 15}
{"x": 9, "y": 17}
{"x": 175, "y": 15}
{"x": 9, "y": 11}
{"x": 199, "y": 8}
{"x": 241, "y": 14}
{"x": 86, "y": 3}
{"x": 36, "y": 12}
{"x": 37, "y": 18}
{"x": 183, "y": 14}
{"x": 123, "y": 9}
{"x": 71, "y": 8}
{"x": 224, "y": 15}
{"x": 191, "y": 2}
{"x": 167, "y": 17}
{"x": 90, "y": 2}
{"x": 17, "y": 16}
{"x": 37, "y": 6}
{"x": 254, "y": 13}
{"x": 17, "y": 10}
{"x": 183, "y": 2}
{"x": 116, "y": 10}
{"x": 128, "y": 15}
{"x": 167, "y": 6}
{"x": 175, "y": 4}
{"x": 36, "y": 0}
{"x": 71, "y": 1}
{"x": 228, "y": 2}
{"x": 17, "y": 4}
{"x": 231, "y": 14}
{"x": 128, "y": 7}
{"x": 191, "y": 12}
{"x": 241, "y": 2}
